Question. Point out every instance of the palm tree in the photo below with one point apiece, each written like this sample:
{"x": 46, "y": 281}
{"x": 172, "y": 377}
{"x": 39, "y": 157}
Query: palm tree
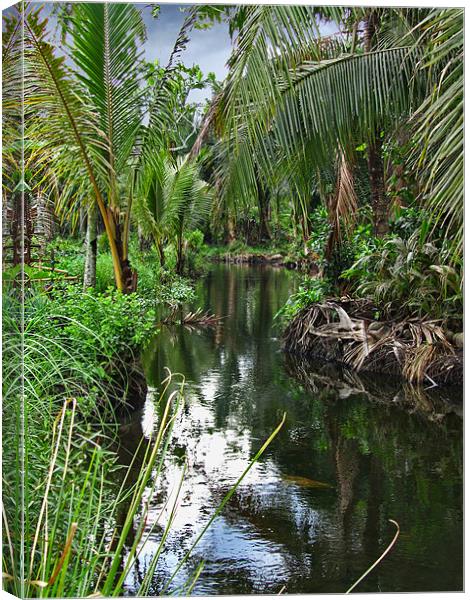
{"x": 308, "y": 92}
{"x": 90, "y": 119}
{"x": 171, "y": 199}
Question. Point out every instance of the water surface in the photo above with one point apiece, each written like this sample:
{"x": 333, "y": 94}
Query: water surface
{"x": 313, "y": 514}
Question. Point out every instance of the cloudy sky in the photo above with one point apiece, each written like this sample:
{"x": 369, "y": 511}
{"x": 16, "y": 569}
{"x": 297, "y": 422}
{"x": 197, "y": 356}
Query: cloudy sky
{"x": 209, "y": 49}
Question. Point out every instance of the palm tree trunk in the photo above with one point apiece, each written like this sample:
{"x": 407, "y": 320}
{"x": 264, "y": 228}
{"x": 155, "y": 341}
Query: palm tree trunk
{"x": 264, "y": 213}
{"x": 179, "y": 255}
{"x": 128, "y": 275}
{"x": 379, "y": 202}
{"x": 375, "y": 164}
{"x": 89, "y": 278}
{"x": 231, "y": 229}
{"x": 161, "y": 252}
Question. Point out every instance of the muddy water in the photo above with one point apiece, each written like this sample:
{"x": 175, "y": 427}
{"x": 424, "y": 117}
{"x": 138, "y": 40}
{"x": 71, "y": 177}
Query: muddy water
{"x": 314, "y": 513}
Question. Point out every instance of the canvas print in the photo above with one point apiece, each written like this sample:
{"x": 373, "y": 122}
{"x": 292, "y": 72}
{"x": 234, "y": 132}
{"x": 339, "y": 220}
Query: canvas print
{"x": 232, "y": 299}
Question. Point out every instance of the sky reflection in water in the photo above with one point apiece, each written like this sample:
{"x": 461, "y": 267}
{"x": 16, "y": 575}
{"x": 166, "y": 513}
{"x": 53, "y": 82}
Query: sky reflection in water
{"x": 313, "y": 514}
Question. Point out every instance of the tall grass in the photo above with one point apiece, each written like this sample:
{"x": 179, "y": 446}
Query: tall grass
{"x": 75, "y": 521}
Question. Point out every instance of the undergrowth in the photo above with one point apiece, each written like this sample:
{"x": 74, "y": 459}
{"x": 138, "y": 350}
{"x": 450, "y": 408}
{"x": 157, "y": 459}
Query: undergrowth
{"x": 75, "y": 521}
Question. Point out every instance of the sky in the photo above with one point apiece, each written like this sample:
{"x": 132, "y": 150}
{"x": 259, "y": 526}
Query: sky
{"x": 209, "y": 49}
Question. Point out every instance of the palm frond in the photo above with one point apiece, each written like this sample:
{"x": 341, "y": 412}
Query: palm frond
{"x": 170, "y": 195}
{"x": 62, "y": 119}
{"x": 104, "y": 48}
{"x": 342, "y": 207}
{"x": 439, "y": 121}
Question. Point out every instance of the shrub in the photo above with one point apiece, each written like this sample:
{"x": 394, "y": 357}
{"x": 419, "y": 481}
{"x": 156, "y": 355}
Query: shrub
{"x": 409, "y": 277}
{"x": 310, "y": 290}
{"x": 174, "y": 290}
{"x": 121, "y": 322}
{"x": 95, "y": 338}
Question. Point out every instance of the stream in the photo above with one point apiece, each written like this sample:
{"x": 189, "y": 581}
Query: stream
{"x": 313, "y": 514}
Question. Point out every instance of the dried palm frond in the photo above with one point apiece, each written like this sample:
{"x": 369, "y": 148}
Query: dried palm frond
{"x": 200, "y": 318}
{"x": 411, "y": 347}
{"x": 342, "y": 207}
{"x": 197, "y": 318}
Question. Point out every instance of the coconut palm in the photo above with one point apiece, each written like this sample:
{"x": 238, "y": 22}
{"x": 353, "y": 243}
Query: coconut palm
{"x": 90, "y": 121}
{"x": 307, "y": 92}
{"x": 91, "y": 116}
{"x": 171, "y": 200}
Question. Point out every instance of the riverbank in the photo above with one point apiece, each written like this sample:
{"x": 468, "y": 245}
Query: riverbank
{"x": 345, "y": 331}
{"x": 274, "y": 257}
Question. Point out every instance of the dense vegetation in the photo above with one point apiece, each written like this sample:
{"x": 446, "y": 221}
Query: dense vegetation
{"x": 286, "y": 156}
{"x": 341, "y": 155}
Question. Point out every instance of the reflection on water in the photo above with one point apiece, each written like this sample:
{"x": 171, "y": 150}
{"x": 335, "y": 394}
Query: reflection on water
{"x": 313, "y": 514}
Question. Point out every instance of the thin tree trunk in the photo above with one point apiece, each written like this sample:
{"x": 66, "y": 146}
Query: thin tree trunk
{"x": 128, "y": 275}
{"x": 230, "y": 233}
{"x": 89, "y": 278}
{"x": 379, "y": 202}
{"x": 179, "y": 255}
{"x": 264, "y": 212}
{"x": 375, "y": 164}
{"x": 161, "y": 252}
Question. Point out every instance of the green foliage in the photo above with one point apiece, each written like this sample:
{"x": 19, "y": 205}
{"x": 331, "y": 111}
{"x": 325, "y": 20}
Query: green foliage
{"x": 157, "y": 286}
{"x": 409, "y": 277}
{"x": 30, "y": 273}
{"x": 403, "y": 273}
{"x": 120, "y": 321}
{"x": 68, "y": 256}
{"x": 171, "y": 202}
{"x": 104, "y": 273}
{"x": 310, "y": 290}
{"x": 103, "y": 243}
{"x": 408, "y": 221}
{"x": 173, "y": 290}
{"x": 92, "y": 337}
{"x": 321, "y": 228}
{"x": 195, "y": 240}
{"x": 346, "y": 252}
{"x": 179, "y": 82}
{"x": 402, "y": 185}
